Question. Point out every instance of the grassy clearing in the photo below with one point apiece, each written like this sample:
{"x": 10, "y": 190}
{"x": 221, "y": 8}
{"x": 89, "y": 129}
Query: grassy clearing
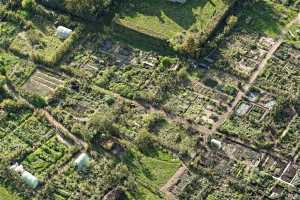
{"x": 152, "y": 171}
{"x": 6, "y": 195}
{"x": 266, "y": 17}
{"x": 164, "y": 19}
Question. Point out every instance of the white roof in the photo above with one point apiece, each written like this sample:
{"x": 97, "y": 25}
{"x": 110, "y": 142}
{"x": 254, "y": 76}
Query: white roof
{"x": 216, "y": 143}
{"x": 63, "y": 32}
{"x": 243, "y": 109}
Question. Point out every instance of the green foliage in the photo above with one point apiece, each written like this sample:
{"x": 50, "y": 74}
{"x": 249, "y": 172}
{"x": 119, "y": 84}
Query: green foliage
{"x": 101, "y": 126}
{"x": 29, "y": 5}
{"x": 36, "y": 100}
{"x": 144, "y": 141}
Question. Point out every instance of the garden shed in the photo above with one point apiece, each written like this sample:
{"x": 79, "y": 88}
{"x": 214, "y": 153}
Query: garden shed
{"x": 82, "y": 161}
{"x": 63, "y": 32}
{"x": 30, "y": 180}
{"x": 178, "y": 1}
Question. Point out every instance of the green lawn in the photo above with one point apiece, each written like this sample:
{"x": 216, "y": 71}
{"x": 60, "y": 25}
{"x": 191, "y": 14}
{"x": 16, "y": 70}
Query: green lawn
{"x": 164, "y": 19}
{"x": 151, "y": 171}
{"x": 6, "y": 195}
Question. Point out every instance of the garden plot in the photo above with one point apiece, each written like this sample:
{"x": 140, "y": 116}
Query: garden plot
{"x": 281, "y": 169}
{"x": 73, "y": 184}
{"x": 34, "y": 131}
{"x": 241, "y": 54}
{"x": 122, "y": 54}
{"x": 47, "y": 158}
{"x": 164, "y": 19}
{"x": 18, "y": 70}
{"x": 215, "y": 94}
{"x": 288, "y": 53}
{"x": 249, "y": 119}
{"x": 280, "y": 78}
{"x": 42, "y": 40}
{"x": 203, "y": 111}
{"x": 8, "y": 32}
{"x": 289, "y": 142}
{"x": 180, "y": 102}
{"x": 42, "y": 83}
{"x": 37, "y": 41}
{"x": 11, "y": 147}
{"x": 11, "y": 120}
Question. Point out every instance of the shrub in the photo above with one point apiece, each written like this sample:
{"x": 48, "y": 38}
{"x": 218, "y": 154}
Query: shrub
{"x": 144, "y": 141}
{"x": 29, "y": 5}
{"x": 36, "y": 100}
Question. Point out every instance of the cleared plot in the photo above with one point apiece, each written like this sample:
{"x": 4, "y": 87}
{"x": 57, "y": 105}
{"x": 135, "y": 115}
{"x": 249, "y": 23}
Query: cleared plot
{"x": 42, "y": 83}
{"x": 47, "y": 158}
{"x": 164, "y": 19}
{"x": 18, "y": 70}
{"x": 34, "y": 130}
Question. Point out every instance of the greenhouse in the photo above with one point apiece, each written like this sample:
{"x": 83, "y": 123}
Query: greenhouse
{"x": 30, "y": 180}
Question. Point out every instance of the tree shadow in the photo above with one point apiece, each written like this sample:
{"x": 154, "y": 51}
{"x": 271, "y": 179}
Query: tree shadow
{"x": 263, "y": 17}
{"x": 180, "y": 14}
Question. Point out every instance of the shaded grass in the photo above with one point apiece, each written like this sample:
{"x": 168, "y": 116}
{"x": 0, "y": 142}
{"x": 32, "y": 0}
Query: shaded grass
{"x": 267, "y": 17}
{"x": 152, "y": 171}
{"x": 6, "y": 195}
{"x": 165, "y": 19}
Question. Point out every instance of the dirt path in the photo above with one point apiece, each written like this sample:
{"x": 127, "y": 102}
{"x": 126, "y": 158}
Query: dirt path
{"x": 62, "y": 129}
{"x": 172, "y": 181}
{"x": 149, "y": 108}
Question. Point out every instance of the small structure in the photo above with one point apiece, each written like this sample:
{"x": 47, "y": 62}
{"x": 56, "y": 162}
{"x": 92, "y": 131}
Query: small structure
{"x": 243, "y": 109}
{"x": 27, "y": 177}
{"x": 82, "y": 161}
{"x": 30, "y": 180}
{"x": 63, "y": 32}
{"x": 253, "y": 96}
{"x": 270, "y": 104}
{"x": 17, "y": 168}
{"x": 216, "y": 143}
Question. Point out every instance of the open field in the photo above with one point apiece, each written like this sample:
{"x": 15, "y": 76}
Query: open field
{"x": 164, "y": 19}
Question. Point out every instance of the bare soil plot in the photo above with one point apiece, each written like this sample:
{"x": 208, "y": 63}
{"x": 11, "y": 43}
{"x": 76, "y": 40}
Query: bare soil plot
{"x": 42, "y": 83}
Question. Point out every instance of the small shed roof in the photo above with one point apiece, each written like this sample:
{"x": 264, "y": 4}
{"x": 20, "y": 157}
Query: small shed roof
{"x": 63, "y": 32}
{"x": 82, "y": 161}
{"x": 29, "y": 179}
